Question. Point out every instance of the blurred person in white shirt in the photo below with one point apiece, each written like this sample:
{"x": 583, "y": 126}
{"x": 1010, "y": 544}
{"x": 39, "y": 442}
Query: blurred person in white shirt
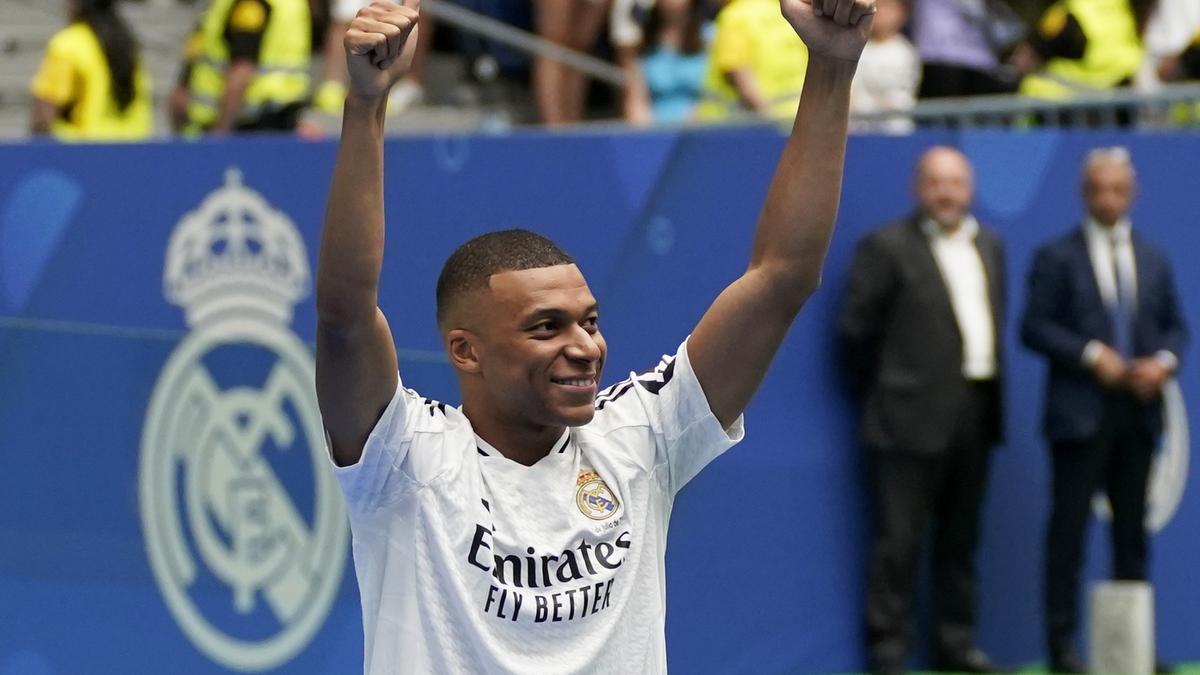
{"x": 888, "y": 74}
{"x": 1172, "y": 35}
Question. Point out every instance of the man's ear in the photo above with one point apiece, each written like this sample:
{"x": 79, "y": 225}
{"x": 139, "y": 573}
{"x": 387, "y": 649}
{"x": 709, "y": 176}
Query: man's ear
{"x": 462, "y": 346}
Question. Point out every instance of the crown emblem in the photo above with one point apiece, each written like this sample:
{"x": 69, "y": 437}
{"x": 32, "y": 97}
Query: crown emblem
{"x": 235, "y": 252}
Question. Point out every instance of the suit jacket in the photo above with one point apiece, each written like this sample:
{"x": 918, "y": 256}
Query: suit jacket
{"x": 901, "y": 342}
{"x": 1065, "y": 311}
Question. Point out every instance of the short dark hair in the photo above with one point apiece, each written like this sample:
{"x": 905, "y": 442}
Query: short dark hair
{"x": 471, "y": 264}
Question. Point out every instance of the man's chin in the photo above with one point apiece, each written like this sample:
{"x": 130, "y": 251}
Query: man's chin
{"x": 576, "y": 416}
{"x": 949, "y": 221}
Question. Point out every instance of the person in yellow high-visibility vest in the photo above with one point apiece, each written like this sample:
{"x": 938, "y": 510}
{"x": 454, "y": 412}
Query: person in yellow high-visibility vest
{"x": 1084, "y": 45}
{"x": 252, "y": 71}
{"x": 92, "y": 84}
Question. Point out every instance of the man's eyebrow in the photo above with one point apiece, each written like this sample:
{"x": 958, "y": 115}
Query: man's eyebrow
{"x": 557, "y": 312}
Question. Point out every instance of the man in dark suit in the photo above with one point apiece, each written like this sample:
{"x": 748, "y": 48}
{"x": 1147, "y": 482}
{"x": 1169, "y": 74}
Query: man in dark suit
{"x": 921, "y": 332}
{"x": 1102, "y": 309}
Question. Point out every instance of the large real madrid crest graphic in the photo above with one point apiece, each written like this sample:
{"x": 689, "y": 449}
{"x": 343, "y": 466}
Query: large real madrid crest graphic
{"x": 1169, "y": 470}
{"x": 244, "y": 526}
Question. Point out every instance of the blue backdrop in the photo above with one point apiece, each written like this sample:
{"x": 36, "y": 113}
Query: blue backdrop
{"x": 767, "y": 546}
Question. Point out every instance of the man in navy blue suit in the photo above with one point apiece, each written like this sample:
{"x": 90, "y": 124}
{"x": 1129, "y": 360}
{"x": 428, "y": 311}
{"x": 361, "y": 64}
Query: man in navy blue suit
{"x": 1102, "y": 309}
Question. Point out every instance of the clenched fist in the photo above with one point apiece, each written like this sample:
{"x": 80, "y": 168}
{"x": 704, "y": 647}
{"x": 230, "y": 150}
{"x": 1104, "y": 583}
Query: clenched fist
{"x": 379, "y": 46}
{"x": 834, "y": 28}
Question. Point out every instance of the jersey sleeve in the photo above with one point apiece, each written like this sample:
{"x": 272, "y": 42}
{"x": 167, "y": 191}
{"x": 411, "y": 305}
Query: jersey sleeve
{"x": 670, "y": 401}
{"x": 384, "y": 472}
{"x": 56, "y": 79}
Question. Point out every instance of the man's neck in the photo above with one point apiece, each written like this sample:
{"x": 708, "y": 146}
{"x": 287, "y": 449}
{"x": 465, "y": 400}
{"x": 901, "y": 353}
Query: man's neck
{"x": 521, "y": 444}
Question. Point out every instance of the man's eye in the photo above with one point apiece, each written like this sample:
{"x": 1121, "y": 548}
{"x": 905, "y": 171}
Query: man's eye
{"x": 543, "y": 327}
{"x": 592, "y": 321}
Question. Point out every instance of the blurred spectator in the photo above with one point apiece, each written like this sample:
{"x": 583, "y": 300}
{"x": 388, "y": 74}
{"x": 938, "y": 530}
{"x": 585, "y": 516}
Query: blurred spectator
{"x": 1104, "y": 312}
{"x": 756, "y": 63}
{"x": 668, "y": 63}
{"x": 921, "y": 329}
{"x": 178, "y": 99}
{"x": 92, "y": 84}
{"x": 1084, "y": 45}
{"x": 252, "y": 73}
{"x": 960, "y": 42}
{"x": 331, "y": 93}
{"x": 626, "y": 31}
{"x": 560, "y": 91}
{"x": 888, "y": 73}
{"x": 1172, "y": 41}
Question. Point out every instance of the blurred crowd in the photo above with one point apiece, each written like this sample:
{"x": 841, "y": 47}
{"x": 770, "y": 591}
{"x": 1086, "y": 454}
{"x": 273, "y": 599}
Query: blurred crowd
{"x": 269, "y": 65}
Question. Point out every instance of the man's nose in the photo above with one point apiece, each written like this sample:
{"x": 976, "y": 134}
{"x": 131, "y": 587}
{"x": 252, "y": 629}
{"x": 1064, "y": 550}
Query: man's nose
{"x": 583, "y": 346}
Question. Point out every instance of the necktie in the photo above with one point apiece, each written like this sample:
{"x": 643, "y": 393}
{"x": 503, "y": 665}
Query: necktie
{"x": 1122, "y": 309}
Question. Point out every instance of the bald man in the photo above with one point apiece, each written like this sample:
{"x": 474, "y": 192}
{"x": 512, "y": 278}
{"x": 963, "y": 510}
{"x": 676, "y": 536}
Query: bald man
{"x": 920, "y": 329}
{"x": 1110, "y": 353}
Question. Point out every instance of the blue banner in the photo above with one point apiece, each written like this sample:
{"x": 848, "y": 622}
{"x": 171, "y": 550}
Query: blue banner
{"x": 165, "y": 508}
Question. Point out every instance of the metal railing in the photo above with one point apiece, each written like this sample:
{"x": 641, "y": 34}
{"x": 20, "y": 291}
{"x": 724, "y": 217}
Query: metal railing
{"x": 497, "y": 31}
{"x": 1169, "y": 106}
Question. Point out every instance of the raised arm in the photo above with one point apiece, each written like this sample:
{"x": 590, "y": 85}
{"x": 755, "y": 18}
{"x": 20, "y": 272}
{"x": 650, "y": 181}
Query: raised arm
{"x": 356, "y": 359}
{"x": 737, "y": 338}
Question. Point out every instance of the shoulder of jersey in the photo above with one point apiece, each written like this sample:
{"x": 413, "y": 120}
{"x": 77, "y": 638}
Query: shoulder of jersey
{"x": 623, "y": 397}
{"x": 425, "y": 414}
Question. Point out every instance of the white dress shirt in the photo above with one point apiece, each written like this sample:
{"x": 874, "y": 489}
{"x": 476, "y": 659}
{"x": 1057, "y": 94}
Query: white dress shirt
{"x": 967, "y": 283}
{"x": 1102, "y": 242}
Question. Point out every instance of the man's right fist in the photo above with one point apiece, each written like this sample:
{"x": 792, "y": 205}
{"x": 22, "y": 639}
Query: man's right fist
{"x": 379, "y": 46}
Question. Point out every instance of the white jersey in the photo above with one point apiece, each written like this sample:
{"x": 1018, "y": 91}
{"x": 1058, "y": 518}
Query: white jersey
{"x": 468, "y": 562}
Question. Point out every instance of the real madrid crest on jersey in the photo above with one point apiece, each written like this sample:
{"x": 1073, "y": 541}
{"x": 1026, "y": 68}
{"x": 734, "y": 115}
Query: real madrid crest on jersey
{"x": 593, "y": 497}
{"x": 244, "y": 527}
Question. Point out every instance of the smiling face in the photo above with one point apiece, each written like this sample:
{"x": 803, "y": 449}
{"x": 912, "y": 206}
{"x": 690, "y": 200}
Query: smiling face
{"x": 535, "y": 349}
